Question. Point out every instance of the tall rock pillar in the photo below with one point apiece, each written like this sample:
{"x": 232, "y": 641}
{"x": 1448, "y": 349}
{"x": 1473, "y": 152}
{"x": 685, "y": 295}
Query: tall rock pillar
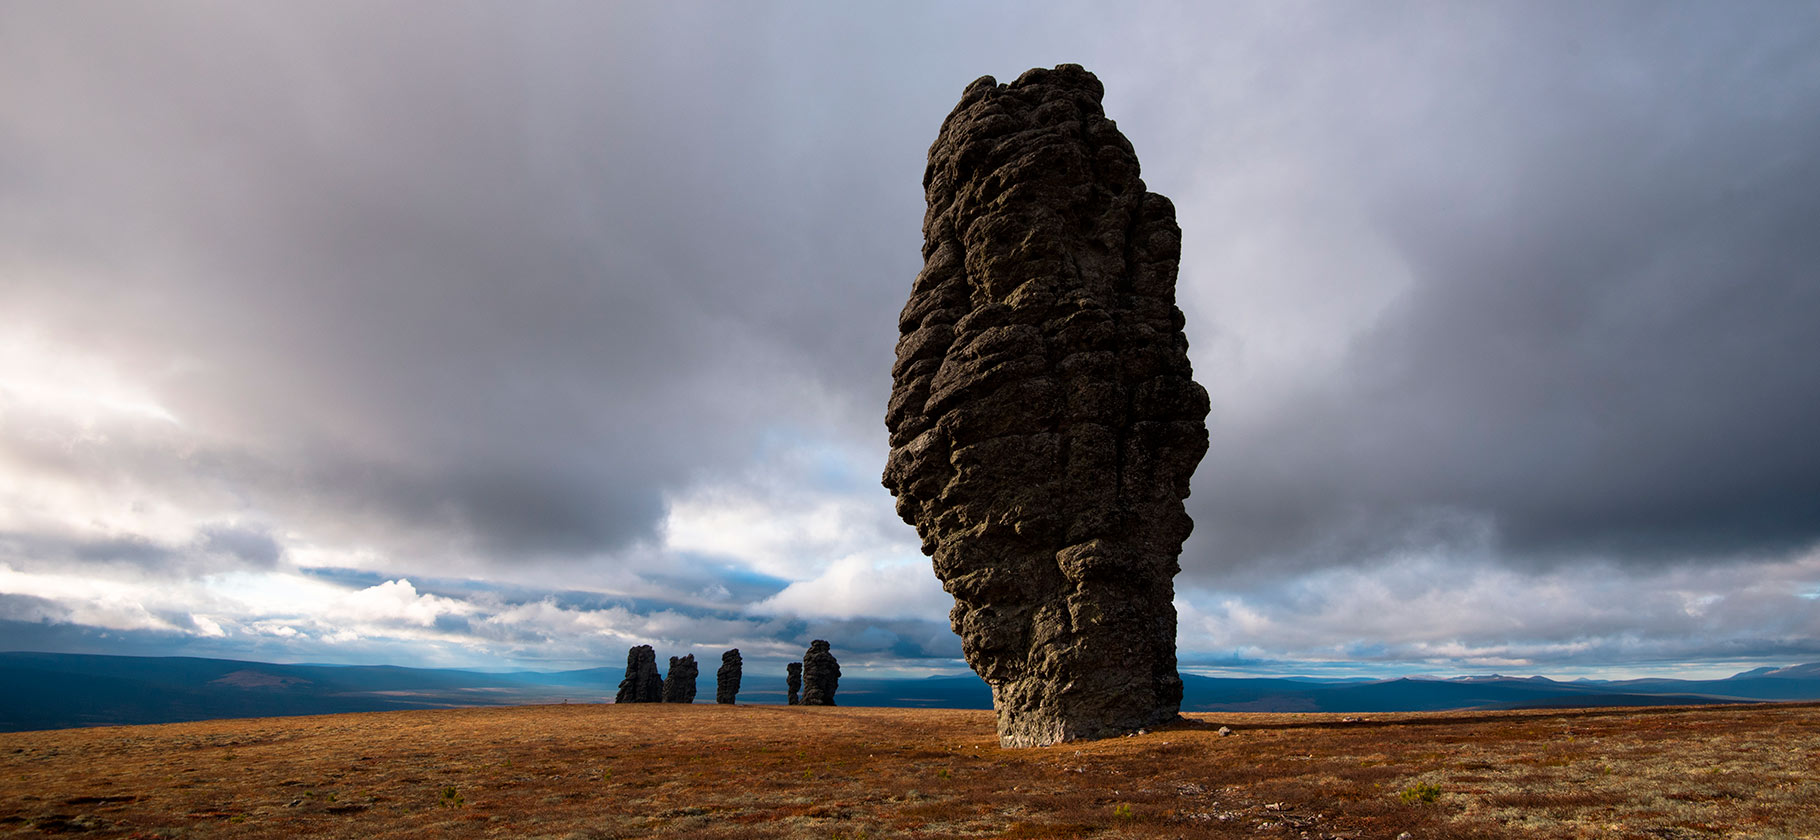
{"x": 642, "y": 683}
{"x": 1044, "y": 419}
{"x": 726, "y": 680}
{"x": 679, "y": 685}
{"x": 821, "y": 675}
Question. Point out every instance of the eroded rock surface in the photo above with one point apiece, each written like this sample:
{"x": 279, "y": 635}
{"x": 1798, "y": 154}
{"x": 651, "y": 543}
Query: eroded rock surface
{"x": 1044, "y": 420}
{"x": 642, "y": 683}
{"x": 726, "y": 680}
{"x": 821, "y": 675}
{"x": 679, "y": 684}
{"x": 793, "y": 675}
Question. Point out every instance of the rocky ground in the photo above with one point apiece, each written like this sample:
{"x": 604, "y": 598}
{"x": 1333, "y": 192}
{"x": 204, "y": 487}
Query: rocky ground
{"x": 712, "y": 771}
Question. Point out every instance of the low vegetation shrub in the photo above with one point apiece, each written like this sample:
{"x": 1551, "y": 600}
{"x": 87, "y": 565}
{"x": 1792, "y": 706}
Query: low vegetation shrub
{"x": 1421, "y": 792}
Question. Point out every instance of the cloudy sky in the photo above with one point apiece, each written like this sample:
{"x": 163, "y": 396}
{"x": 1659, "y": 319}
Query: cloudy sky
{"x": 514, "y": 334}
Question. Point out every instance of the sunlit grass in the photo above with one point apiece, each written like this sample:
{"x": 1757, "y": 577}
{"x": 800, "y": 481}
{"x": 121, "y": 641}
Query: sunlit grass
{"x": 709, "y": 771}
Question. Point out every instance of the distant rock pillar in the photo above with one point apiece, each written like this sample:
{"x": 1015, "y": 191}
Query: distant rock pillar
{"x": 679, "y": 686}
{"x": 1044, "y": 420}
{"x": 726, "y": 680}
{"x": 821, "y": 675}
{"x": 642, "y": 683}
{"x": 794, "y": 677}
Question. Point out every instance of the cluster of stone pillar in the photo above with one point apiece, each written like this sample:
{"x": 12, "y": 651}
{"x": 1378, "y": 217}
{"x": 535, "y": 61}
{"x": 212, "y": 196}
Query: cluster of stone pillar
{"x": 817, "y": 677}
{"x": 812, "y": 681}
{"x": 644, "y": 685}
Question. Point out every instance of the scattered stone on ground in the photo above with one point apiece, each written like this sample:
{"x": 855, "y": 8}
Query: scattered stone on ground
{"x": 1044, "y": 418}
{"x": 642, "y": 683}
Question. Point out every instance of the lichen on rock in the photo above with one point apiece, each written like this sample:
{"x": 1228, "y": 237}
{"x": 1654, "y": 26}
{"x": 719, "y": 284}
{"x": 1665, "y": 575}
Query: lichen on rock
{"x": 1044, "y": 419}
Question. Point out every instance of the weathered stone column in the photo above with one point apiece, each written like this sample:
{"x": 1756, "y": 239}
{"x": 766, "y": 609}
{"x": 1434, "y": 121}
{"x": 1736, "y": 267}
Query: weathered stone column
{"x": 679, "y": 684}
{"x": 642, "y": 683}
{"x": 1044, "y": 420}
{"x": 793, "y": 676}
{"x": 821, "y": 675}
{"x": 726, "y": 680}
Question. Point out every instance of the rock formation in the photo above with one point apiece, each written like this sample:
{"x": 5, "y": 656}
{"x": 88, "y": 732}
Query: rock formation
{"x": 679, "y": 684}
{"x": 794, "y": 676}
{"x": 726, "y": 680}
{"x": 821, "y": 675}
{"x": 1044, "y": 420}
{"x": 642, "y": 683}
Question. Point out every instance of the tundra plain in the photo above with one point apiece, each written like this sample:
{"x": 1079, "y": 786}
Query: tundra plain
{"x": 582, "y": 772}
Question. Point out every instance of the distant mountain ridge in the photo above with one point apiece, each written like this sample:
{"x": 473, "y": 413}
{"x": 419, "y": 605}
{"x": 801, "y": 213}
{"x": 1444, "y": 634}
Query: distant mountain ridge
{"x": 57, "y": 691}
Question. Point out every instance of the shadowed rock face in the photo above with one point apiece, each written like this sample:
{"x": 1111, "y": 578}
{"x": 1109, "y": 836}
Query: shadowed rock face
{"x": 726, "y": 680}
{"x": 679, "y": 686}
{"x": 793, "y": 675}
{"x": 1044, "y": 420}
{"x": 642, "y": 683}
{"x": 821, "y": 675}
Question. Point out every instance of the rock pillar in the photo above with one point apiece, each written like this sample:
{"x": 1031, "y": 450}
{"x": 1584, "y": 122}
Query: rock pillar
{"x": 1044, "y": 420}
{"x": 679, "y": 685}
{"x": 726, "y": 680}
{"x": 821, "y": 675}
{"x": 642, "y": 683}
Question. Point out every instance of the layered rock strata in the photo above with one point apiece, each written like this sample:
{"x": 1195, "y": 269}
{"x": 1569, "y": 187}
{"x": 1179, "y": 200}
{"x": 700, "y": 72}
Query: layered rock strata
{"x": 726, "y": 680}
{"x": 642, "y": 683}
{"x": 793, "y": 676}
{"x": 1044, "y": 420}
{"x": 679, "y": 684}
{"x": 821, "y": 675}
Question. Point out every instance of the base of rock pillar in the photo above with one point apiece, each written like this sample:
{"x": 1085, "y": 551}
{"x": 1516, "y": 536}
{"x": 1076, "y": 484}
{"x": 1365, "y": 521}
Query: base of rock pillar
{"x": 1024, "y": 720}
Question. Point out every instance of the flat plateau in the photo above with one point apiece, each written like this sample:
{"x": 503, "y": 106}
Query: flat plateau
{"x": 708, "y": 771}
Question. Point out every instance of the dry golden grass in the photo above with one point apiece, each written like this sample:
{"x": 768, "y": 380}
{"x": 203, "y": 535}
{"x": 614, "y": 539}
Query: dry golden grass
{"x": 795, "y": 772}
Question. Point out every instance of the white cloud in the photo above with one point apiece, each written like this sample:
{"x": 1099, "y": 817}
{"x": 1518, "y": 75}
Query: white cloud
{"x": 1441, "y": 611}
{"x": 860, "y": 586}
{"x": 396, "y": 602}
{"x": 206, "y": 626}
{"x": 812, "y": 514}
{"x": 777, "y": 529}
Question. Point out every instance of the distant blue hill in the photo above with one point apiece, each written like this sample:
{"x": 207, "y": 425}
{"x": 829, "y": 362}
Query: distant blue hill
{"x": 57, "y": 691}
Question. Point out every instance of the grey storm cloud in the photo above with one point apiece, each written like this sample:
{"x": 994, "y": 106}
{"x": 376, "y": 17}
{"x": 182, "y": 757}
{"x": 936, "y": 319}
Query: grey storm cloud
{"x": 490, "y": 284}
{"x": 1602, "y": 345}
{"x": 509, "y": 275}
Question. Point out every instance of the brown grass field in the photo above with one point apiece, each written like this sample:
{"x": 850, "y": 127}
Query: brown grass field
{"x": 605, "y": 771}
